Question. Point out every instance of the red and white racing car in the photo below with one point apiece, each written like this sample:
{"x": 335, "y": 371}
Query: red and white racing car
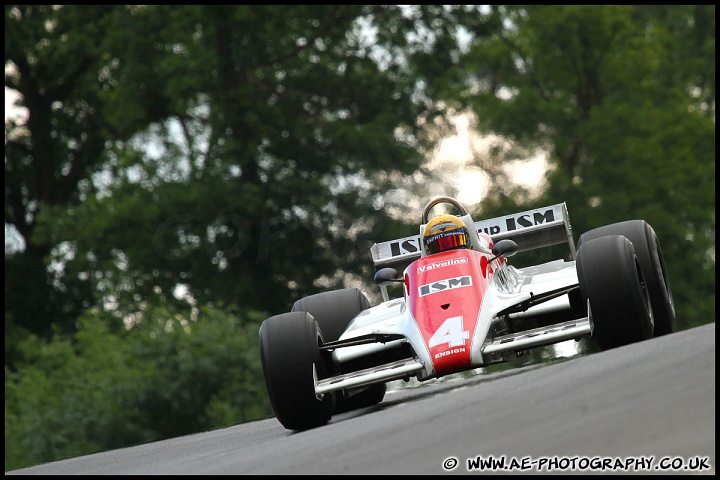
{"x": 463, "y": 308}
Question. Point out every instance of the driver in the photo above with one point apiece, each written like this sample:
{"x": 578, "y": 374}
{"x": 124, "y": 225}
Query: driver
{"x": 445, "y": 232}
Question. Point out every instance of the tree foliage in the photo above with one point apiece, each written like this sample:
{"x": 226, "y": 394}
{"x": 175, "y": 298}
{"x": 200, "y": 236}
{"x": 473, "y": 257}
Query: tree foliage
{"x": 239, "y": 152}
{"x": 175, "y": 374}
{"x": 621, "y": 99}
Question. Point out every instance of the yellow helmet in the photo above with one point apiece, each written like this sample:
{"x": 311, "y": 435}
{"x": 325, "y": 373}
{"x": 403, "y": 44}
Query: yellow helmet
{"x": 445, "y": 232}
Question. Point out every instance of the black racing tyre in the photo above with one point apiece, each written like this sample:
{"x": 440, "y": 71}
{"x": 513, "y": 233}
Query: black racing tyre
{"x": 333, "y": 310}
{"x": 647, "y": 249}
{"x": 288, "y": 350}
{"x": 610, "y": 277}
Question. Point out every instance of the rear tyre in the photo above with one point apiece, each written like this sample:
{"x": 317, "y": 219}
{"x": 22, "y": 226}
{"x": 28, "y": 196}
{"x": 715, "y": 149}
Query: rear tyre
{"x": 289, "y": 347}
{"x": 652, "y": 263}
{"x": 334, "y": 311}
{"x": 611, "y": 278}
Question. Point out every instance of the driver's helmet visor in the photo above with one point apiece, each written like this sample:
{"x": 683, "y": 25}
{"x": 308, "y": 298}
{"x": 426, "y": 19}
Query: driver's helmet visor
{"x": 448, "y": 240}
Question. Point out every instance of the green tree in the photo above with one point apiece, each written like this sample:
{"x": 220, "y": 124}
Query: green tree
{"x": 49, "y": 155}
{"x": 97, "y": 390}
{"x": 622, "y": 100}
{"x": 240, "y": 152}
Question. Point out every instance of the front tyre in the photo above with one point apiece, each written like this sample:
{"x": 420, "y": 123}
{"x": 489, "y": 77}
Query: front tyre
{"x": 334, "y": 310}
{"x": 652, "y": 263}
{"x": 289, "y": 348}
{"x": 612, "y": 280}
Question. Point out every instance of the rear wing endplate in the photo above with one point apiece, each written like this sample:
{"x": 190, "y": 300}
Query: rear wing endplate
{"x": 541, "y": 227}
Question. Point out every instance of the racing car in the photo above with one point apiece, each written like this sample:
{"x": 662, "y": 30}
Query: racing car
{"x": 463, "y": 306}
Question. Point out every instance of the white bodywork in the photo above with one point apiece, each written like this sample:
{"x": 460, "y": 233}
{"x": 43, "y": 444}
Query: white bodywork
{"x": 390, "y": 324}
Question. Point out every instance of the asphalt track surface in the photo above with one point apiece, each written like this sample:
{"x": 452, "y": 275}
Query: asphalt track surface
{"x": 640, "y": 409}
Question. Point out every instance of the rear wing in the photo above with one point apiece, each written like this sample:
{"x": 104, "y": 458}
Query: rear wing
{"x": 541, "y": 227}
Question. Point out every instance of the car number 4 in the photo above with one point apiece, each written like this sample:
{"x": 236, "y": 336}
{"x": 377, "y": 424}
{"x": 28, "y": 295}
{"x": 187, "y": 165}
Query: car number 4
{"x": 450, "y": 332}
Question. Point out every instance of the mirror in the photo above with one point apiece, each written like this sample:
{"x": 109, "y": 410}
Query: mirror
{"x": 504, "y": 248}
{"x": 388, "y": 275}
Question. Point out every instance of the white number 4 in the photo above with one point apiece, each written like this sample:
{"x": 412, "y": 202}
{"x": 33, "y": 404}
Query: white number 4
{"x": 450, "y": 332}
